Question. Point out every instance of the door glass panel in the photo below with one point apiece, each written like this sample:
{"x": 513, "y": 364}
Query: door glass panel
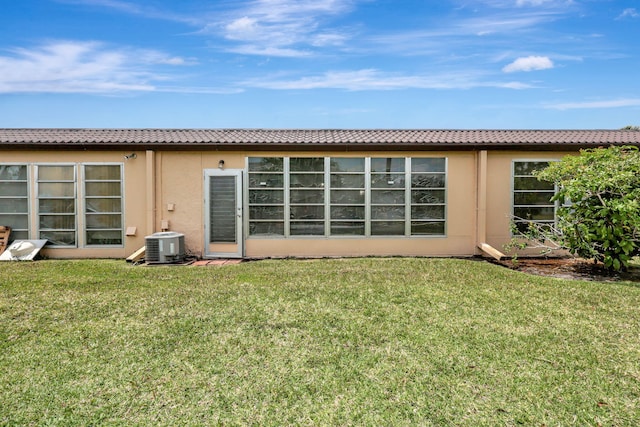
{"x": 222, "y": 205}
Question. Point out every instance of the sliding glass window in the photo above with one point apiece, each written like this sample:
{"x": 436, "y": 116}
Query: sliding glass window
{"x": 532, "y": 197}
{"x": 428, "y": 196}
{"x": 348, "y": 201}
{"x": 14, "y": 200}
{"x": 346, "y": 196}
{"x": 103, "y": 204}
{"x": 266, "y": 196}
{"x": 306, "y": 196}
{"x": 57, "y": 204}
{"x": 388, "y": 201}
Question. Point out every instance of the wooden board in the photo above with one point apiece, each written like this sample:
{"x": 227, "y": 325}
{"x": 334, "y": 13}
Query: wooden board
{"x": 5, "y": 231}
{"x": 137, "y": 255}
{"x": 490, "y": 250}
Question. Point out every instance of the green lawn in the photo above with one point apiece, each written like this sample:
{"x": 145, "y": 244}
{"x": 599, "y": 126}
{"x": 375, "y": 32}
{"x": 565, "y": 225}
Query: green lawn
{"x": 323, "y": 342}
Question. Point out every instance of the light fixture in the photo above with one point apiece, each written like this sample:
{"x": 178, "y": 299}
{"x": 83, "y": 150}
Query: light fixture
{"x": 130, "y": 156}
{"x": 221, "y": 164}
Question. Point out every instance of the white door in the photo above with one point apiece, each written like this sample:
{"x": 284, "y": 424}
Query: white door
{"x": 223, "y": 213}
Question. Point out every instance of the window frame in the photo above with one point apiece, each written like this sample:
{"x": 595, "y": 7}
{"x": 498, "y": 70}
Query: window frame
{"x": 368, "y": 207}
{"x": 35, "y": 214}
{"x": 26, "y": 198}
{"x": 83, "y": 206}
{"x": 555, "y": 205}
{"x": 39, "y": 215}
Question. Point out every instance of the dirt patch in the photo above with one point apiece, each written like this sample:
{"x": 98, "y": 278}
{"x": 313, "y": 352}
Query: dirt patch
{"x": 570, "y": 268}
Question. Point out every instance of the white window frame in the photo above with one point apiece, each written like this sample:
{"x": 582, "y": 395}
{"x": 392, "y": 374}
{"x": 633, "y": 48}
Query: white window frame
{"x": 79, "y": 199}
{"x": 555, "y": 205}
{"x": 37, "y": 198}
{"x": 27, "y": 198}
{"x": 83, "y": 211}
{"x": 367, "y": 205}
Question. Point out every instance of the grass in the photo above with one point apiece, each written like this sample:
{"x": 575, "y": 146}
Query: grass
{"x": 322, "y": 342}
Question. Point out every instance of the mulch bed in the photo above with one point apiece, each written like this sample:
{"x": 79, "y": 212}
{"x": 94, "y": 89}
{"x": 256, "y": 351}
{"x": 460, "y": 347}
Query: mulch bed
{"x": 570, "y": 268}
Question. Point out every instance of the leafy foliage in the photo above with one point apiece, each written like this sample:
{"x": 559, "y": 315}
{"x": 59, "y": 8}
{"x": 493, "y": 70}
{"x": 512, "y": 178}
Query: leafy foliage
{"x": 600, "y": 195}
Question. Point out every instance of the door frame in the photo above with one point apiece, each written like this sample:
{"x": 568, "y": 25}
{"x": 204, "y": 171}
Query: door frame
{"x": 238, "y": 252}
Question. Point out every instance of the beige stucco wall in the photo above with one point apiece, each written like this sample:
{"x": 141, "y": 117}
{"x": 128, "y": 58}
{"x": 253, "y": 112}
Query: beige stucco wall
{"x": 180, "y": 184}
{"x": 134, "y": 197}
{"x": 499, "y": 193}
{"x": 176, "y": 198}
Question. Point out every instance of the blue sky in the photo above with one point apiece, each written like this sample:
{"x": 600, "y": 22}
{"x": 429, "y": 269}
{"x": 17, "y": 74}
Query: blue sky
{"x": 454, "y": 64}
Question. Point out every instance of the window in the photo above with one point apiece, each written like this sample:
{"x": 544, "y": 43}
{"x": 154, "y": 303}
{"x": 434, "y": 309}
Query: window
{"x": 428, "y": 187}
{"x": 73, "y": 204}
{"x": 347, "y": 207}
{"x": 103, "y": 204}
{"x": 388, "y": 201}
{"x": 346, "y": 196}
{"x": 14, "y": 200}
{"x": 57, "y": 204}
{"x": 306, "y": 196}
{"x": 531, "y": 197}
{"x": 266, "y": 196}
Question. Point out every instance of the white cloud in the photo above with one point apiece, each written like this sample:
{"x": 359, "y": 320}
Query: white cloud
{"x": 372, "y": 79}
{"x": 529, "y": 63}
{"x": 534, "y": 2}
{"x": 132, "y": 8}
{"x": 242, "y": 29}
{"x": 81, "y": 67}
{"x": 508, "y": 4}
{"x": 629, "y": 13}
{"x": 282, "y": 27}
{"x": 615, "y": 103}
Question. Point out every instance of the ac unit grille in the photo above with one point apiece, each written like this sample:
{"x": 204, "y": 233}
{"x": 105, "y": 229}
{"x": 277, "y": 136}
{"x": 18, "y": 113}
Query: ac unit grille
{"x": 152, "y": 251}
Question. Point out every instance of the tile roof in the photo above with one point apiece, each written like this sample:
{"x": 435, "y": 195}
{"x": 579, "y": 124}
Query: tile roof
{"x": 300, "y": 138}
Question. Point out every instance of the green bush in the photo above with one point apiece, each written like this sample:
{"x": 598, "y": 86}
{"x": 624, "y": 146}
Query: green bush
{"x": 599, "y": 194}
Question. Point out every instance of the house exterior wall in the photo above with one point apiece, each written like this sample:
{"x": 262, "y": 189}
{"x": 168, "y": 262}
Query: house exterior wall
{"x": 500, "y": 190}
{"x": 164, "y": 190}
{"x": 134, "y": 176}
{"x": 180, "y": 185}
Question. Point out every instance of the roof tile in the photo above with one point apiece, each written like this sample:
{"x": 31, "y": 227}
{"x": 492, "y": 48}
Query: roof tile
{"x": 415, "y": 138}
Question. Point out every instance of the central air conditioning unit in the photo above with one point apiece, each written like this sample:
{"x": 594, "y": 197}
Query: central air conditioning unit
{"x": 165, "y": 247}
